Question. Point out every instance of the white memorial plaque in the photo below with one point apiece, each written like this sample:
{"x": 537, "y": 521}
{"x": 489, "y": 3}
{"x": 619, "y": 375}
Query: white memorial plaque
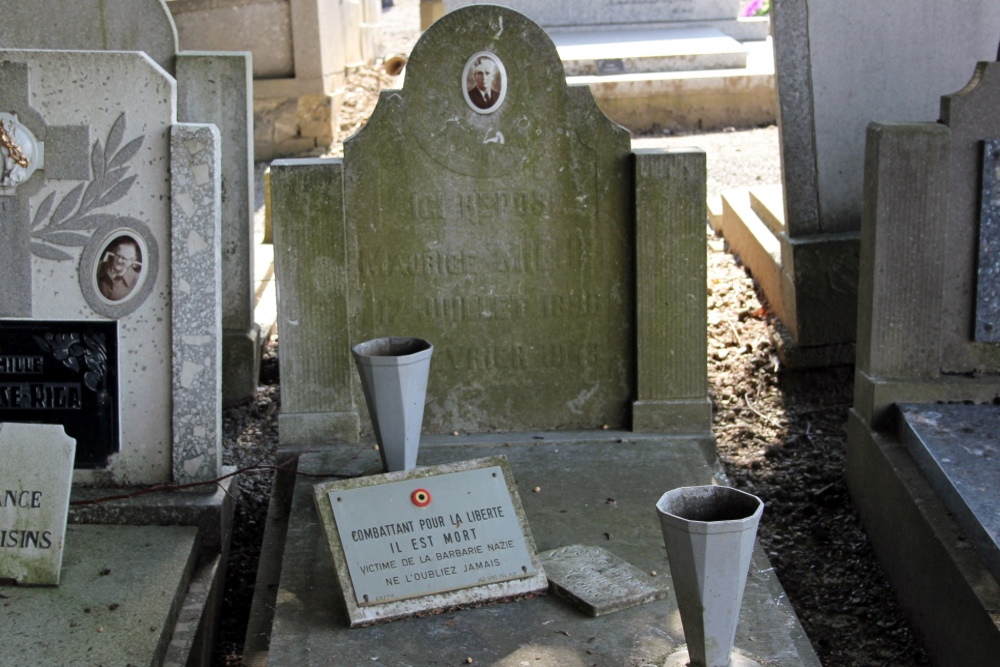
{"x": 35, "y": 480}
{"x": 428, "y": 538}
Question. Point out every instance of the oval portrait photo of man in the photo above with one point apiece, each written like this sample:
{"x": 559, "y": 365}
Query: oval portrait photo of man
{"x": 484, "y": 82}
{"x": 119, "y": 270}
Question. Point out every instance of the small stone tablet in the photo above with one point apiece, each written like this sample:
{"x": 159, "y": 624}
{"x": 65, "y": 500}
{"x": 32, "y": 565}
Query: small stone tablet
{"x": 597, "y": 581}
{"x": 35, "y": 480}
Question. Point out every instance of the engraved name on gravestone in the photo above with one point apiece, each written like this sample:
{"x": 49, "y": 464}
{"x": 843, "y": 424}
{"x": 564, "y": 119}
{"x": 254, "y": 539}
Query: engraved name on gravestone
{"x": 988, "y": 282}
{"x": 65, "y": 373}
{"x": 501, "y": 231}
{"x": 403, "y": 542}
{"x": 35, "y": 480}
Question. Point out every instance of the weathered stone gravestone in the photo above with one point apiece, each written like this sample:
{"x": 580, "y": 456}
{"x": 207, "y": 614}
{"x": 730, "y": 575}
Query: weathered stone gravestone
{"x": 109, "y": 316}
{"x": 925, "y": 475}
{"x": 212, "y": 87}
{"x": 559, "y": 275}
{"x": 34, "y": 501}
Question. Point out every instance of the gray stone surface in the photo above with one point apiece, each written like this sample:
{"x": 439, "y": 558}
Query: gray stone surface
{"x": 217, "y": 88}
{"x": 574, "y": 490}
{"x": 671, "y": 302}
{"x": 506, "y": 239}
{"x": 34, "y": 482}
{"x": 597, "y": 581}
{"x": 196, "y": 253}
{"x": 264, "y": 28}
{"x": 957, "y": 448}
{"x": 988, "y": 278}
{"x": 120, "y": 594}
{"x": 610, "y": 12}
{"x": 211, "y": 513}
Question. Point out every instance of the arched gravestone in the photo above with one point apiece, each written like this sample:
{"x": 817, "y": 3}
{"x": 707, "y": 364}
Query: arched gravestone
{"x": 502, "y": 237}
{"x": 508, "y": 233}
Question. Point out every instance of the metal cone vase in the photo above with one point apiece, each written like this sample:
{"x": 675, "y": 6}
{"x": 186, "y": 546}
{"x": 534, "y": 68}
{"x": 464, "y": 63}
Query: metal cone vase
{"x": 394, "y": 379}
{"x": 709, "y": 533}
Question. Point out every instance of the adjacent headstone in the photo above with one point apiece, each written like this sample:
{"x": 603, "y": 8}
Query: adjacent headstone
{"x": 491, "y": 209}
{"x": 35, "y": 481}
{"x": 918, "y": 470}
{"x": 422, "y": 540}
{"x": 92, "y": 283}
{"x": 212, "y": 87}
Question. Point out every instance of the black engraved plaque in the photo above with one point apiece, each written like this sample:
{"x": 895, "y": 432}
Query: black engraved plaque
{"x": 54, "y": 372}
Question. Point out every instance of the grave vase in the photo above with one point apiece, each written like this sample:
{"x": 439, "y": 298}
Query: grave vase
{"x": 709, "y": 533}
{"x": 394, "y": 379}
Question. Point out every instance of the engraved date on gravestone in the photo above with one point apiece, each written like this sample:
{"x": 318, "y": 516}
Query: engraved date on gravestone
{"x": 60, "y": 372}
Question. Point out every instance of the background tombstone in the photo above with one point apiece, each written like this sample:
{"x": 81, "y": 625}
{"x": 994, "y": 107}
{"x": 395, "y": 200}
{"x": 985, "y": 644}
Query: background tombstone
{"x": 507, "y": 238}
{"x": 212, "y": 87}
{"x": 840, "y": 66}
{"x": 924, "y": 474}
{"x": 614, "y": 15}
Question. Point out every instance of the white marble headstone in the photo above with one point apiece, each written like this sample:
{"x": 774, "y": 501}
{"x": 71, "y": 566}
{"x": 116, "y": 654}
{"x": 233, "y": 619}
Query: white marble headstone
{"x": 35, "y": 477}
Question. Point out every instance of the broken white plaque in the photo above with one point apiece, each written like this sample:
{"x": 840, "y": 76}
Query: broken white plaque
{"x": 597, "y": 581}
{"x": 426, "y": 539}
{"x": 35, "y": 479}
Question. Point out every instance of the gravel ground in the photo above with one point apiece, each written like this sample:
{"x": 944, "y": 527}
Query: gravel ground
{"x": 780, "y": 432}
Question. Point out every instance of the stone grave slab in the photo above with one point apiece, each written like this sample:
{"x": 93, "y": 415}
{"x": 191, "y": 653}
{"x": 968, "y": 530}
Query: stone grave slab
{"x": 958, "y": 448}
{"x": 425, "y": 540}
{"x": 121, "y": 591}
{"x": 566, "y": 483}
{"x": 597, "y": 581}
{"x": 35, "y": 481}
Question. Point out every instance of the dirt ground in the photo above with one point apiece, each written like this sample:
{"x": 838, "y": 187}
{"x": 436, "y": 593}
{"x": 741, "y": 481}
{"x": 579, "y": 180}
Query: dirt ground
{"x": 780, "y": 435}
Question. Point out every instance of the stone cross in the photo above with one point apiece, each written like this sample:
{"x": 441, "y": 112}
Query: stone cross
{"x": 28, "y": 146}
